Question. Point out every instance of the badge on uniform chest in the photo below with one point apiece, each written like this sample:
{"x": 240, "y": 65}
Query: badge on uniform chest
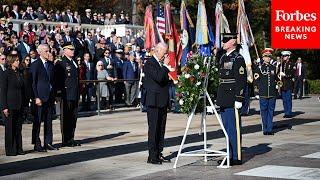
{"x": 68, "y": 68}
{"x": 227, "y": 65}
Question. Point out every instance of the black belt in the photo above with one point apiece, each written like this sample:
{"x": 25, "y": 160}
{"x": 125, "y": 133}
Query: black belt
{"x": 221, "y": 81}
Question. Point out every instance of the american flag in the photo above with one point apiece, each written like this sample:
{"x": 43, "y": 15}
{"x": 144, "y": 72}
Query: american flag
{"x": 160, "y": 20}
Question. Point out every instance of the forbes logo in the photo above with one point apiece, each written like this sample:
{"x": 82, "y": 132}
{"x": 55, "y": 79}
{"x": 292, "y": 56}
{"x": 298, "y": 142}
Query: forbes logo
{"x": 281, "y": 15}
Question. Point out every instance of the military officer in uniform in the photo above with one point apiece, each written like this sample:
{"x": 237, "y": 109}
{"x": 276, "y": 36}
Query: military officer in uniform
{"x": 67, "y": 84}
{"x": 287, "y": 74}
{"x": 232, "y": 81}
{"x": 265, "y": 82}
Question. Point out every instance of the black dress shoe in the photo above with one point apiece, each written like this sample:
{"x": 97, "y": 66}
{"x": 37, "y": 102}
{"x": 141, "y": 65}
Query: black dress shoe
{"x": 270, "y": 133}
{"x": 154, "y": 161}
{"x": 21, "y": 152}
{"x": 50, "y": 147}
{"x": 236, "y": 162}
{"x": 164, "y": 159}
{"x": 265, "y": 133}
{"x": 67, "y": 144}
{"x": 39, "y": 148}
{"x": 75, "y": 143}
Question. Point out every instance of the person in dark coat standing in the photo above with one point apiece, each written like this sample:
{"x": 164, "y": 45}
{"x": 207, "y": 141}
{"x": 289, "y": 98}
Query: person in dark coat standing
{"x": 299, "y": 78}
{"x": 67, "y": 86}
{"x": 42, "y": 85}
{"x": 2, "y": 70}
{"x": 157, "y": 98}
{"x": 286, "y": 73}
{"x": 230, "y": 95}
{"x": 130, "y": 72}
{"x": 265, "y": 86}
{"x": 11, "y": 99}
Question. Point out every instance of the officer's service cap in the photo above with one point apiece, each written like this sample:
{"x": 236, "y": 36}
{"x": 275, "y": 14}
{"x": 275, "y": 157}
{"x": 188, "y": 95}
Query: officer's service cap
{"x": 285, "y": 53}
{"x": 227, "y": 36}
{"x": 68, "y": 45}
{"x": 267, "y": 52}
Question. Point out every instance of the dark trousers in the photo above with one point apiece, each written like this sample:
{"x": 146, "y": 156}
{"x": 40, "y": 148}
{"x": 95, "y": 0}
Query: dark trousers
{"x": 246, "y": 103}
{"x": 267, "y": 106}
{"x": 228, "y": 116}
{"x": 119, "y": 92}
{"x": 43, "y": 114}
{"x": 111, "y": 87}
{"x": 68, "y": 121}
{"x": 86, "y": 95}
{"x": 157, "y": 118}
{"x": 298, "y": 87}
{"x": 13, "y": 128}
{"x": 287, "y": 102}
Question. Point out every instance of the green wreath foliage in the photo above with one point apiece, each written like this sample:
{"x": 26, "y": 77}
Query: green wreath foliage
{"x": 190, "y": 82}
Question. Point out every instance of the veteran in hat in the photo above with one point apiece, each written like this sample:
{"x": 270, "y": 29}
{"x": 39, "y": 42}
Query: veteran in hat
{"x": 232, "y": 81}
{"x": 67, "y": 86}
{"x": 287, "y": 75}
{"x": 265, "y": 83}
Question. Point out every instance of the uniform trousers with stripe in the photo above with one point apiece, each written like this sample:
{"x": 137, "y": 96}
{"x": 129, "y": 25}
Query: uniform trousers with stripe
{"x": 267, "y": 106}
{"x": 228, "y": 116}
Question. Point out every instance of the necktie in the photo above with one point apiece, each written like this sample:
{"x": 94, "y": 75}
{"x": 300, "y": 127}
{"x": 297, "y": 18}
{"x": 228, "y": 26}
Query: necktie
{"x": 46, "y": 66}
{"x": 133, "y": 66}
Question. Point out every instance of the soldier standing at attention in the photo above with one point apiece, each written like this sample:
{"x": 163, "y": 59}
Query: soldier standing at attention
{"x": 67, "y": 84}
{"x": 286, "y": 73}
{"x": 265, "y": 82}
{"x": 233, "y": 79}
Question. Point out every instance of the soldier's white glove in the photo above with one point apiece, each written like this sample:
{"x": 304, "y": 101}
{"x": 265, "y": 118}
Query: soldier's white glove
{"x": 282, "y": 74}
{"x": 257, "y": 97}
{"x": 237, "y": 104}
{"x": 258, "y": 60}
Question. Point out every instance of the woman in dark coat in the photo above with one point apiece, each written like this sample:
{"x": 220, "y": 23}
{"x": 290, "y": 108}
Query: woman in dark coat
{"x": 28, "y": 93}
{"x": 12, "y": 102}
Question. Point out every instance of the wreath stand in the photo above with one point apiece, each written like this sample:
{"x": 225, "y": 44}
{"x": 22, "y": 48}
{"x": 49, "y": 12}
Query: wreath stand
{"x": 205, "y": 152}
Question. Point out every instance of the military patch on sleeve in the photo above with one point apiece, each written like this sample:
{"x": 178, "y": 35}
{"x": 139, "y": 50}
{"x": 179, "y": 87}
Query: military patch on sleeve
{"x": 241, "y": 70}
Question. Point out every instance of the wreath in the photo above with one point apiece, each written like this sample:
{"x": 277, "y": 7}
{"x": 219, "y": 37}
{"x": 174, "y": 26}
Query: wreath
{"x": 191, "y": 79}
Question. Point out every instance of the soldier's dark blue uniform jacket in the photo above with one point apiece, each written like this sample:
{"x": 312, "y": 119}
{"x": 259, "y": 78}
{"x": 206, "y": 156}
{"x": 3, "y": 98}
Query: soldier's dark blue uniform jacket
{"x": 287, "y": 68}
{"x": 265, "y": 80}
{"x": 233, "y": 79}
{"x": 67, "y": 79}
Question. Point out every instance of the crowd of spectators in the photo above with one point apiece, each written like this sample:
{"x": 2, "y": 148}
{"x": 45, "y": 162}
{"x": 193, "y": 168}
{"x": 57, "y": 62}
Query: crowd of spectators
{"x": 92, "y": 49}
{"x": 68, "y": 16}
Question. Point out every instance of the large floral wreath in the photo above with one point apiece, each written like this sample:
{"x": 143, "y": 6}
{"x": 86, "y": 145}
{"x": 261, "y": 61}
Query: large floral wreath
{"x": 190, "y": 82}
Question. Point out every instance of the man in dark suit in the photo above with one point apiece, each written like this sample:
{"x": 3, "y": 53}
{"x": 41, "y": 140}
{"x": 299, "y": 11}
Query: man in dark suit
{"x": 156, "y": 83}
{"x": 67, "y": 36}
{"x": 89, "y": 75}
{"x": 2, "y": 70}
{"x": 90, "y": 44}
{"x": 67, "y": 86}
{"x": 299, "y": 78}
{"x": 42, "y": 86}
{"x": 130, "y": 71}
{"x": 79, "y": 45}
{"x": 23, "y": 47}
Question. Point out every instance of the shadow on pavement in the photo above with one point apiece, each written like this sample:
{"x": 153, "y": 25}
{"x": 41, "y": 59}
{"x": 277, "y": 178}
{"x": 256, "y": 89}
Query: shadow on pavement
{"x": 87, "y": 155}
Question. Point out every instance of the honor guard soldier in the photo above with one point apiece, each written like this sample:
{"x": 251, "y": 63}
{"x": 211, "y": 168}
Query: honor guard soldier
{"x": 67, "y": 83}
{"x": 286, "y": 75}
{"x": 265, "y": 82}
{"x": 232, "y": 81}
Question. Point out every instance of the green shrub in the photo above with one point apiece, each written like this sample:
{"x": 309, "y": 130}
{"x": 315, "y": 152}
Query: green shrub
{"x": 314, "y": 86}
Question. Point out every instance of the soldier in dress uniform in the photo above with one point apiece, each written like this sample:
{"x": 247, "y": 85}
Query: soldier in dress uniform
{"x": 287, "y": 74}
{"x": 67, "y": 84}
{"x": 233, "y": 79}
{"x": 265, "y": 82}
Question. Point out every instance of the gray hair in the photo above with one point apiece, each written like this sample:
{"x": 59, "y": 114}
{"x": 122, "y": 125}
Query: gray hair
{"x": 160, "y": 45}
{"x": 41, "y": 48}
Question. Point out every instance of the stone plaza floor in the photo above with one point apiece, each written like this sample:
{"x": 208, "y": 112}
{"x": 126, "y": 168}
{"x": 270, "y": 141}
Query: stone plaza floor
{"x": 114, "y": 146}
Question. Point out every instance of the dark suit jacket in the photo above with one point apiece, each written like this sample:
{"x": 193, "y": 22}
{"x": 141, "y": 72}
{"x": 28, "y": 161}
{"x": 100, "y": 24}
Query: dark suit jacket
{"x": 1, "y": 82}
{"x": 303, "y": 71}
{"x": 89, "y": 73}
{"x": 22, "y": 50}
{"x": 12, "y": 94}
{"x": 67, "y": 80}
{"x": 129, "y": 72}
{"x": 65, "y": 39}
{"x": 80, "y": 48}
{"x": 42, "y": 81}
{"x": 156, "y": 84}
